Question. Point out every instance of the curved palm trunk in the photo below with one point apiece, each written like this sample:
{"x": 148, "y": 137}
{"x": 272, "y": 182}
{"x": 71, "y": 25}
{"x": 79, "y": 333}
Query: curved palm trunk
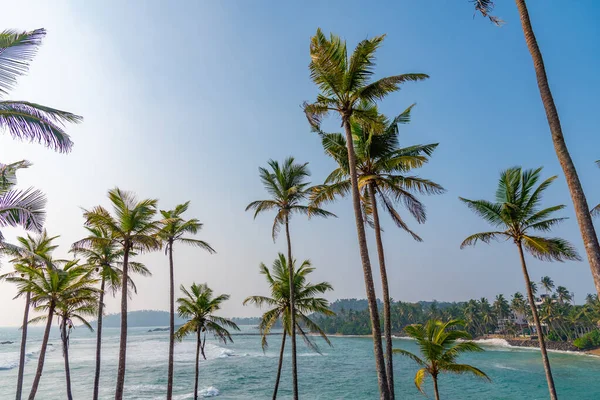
{"x": 582, "y": 210}
{"x": 366, "y": 264}
{"x": 435, "y": 388}
{"x": 171, "y": 321}
{"x": 280, "y": 365}
{"x": 99, "y": 338}
{"x": 123, "y": 339}
{"x": 387, "y": 317}
{"x": 197, "y": 364}
{"x": 292, "y": 309}
{"x": 42, "y": 357}
{"x": 65, "y": 344}
{"x": 23, "y": 346}
{"x": 538, "y": 326}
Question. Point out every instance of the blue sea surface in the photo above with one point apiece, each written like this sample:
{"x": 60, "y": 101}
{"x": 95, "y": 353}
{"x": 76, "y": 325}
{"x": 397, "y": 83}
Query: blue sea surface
{"x": 243, "y": 371}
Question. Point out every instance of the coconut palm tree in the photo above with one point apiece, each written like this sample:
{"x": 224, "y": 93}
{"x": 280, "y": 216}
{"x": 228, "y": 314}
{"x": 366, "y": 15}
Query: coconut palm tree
{"x": 103, "y": 255}
{"x": 563, "y": 294}
{"x": 199, "y": 306}
{"x": 76, "y": 305}
{"x": 287, "y": 185}
{"x": 134, "y": 229}
{"x": 173, "y": 229}
{"x": 584, "y": 219}
{"x": 383, "y": 170}
{"x": 547, "y": 283}
{"x": 344, "y": 82}
{"x": 23, "y": 208}
{"x": 516, "y": 213}
{"x": 49, "y": 287}
{"x": 280, "y": 300}
{"x": 33, "y": 252}
{"x": 440, "y": 347}
{"x": 23, "y": 119}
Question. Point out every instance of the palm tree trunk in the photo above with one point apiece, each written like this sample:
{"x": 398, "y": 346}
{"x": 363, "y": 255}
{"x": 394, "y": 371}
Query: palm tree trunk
{"x": 123, "y": 339}
{"x": 366, "y": 264}
{"x": 280, "y": 365}
{"x": 202, "y": 347}
{"x": 42, "y": 357}
{"x": 435, "y": 388}
{"x": 171, "y": 321}
{"x": 292, "y": 308}
{"x": 197, "y": 363}
{"x": 23, "y": 346}
{"x": 99, "y": 337}
{"x": 65, "y": 344}
{"x": 538, "y": 326}
{"x": 582, "y": 210}
{"x": 387, "y": 318}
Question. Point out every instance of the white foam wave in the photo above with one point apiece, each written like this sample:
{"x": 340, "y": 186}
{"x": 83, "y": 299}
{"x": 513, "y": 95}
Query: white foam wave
{"x": 494, "y": 342}
{"x": 210, "y": 391}
{"x": 10, "y": 360}
{"x": 502, "y": 366}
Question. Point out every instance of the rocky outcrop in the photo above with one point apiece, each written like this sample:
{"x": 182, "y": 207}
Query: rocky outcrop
{"x": 561, "y": 346}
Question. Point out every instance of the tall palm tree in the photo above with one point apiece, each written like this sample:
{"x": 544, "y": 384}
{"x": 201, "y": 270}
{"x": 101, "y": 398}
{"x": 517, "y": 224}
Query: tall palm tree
{"x": 383, "y": 169}
{"x": 280, "y": 309}
{"x": 33, "y": 252}
{"x": 103, "y": 254}
{"x": 547, "y": 283}
{"x": 23, "y": 208}
{"x": 563, "y": 294}
{"x": 173, "y": 229}
{"x": 134, "y": 229}
{"x": 23, "y": 119}
{"x": 516, "y": 212}
{"x": 584, "y": 219}
{"x": 289, "y": 189}
{"x": 440, "y": 347}
{"x": 49, "y": 286}
{"x": 199, "y": 306}
{"x": 344, "y": 82}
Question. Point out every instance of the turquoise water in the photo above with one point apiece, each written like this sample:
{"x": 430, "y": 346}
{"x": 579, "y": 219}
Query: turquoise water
{"x": 242, "y": 371}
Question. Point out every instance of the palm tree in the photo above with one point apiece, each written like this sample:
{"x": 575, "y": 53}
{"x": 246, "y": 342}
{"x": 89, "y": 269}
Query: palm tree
{"x": 22, "y": 119}
{"x": 74, "y": 305}
{"x": 134, "y": 229}
{"x": 173, "y": 229}
{"x": 280, "y": 309}
{"x": 289, "y": 190}
{"x": 199, "y": 306}
{"x": 49, "y": 287}
{"x": 547, "y": 283}
{"x": 23, "y": 208}
{"x": 104, "y": 256}
{"x": 501, "y": 309}
{"x": 563, "y": 294}
{"x": 517, "y": 212}
{"x": 584, "y": 219}
{"x": 437, "y": 341}
{"x": 383, "y": 172}
{"x": 33, "y": 252}
{"x": 344, "y": 82}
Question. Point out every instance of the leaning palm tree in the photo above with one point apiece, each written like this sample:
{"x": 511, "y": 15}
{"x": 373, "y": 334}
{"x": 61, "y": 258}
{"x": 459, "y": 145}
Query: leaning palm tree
{"x": 199, "y": 306}
{"x": 103, "y": 255}
{"x": 23, "y": 208}
{"x": 383, "y": 169}
{"x": 48, "y": 287}
{"x": 289, "y": 189}
{"x": 516, "y": 213}
{"x": 547, "y": 283}
{"x": 344, "y": 82}
{"x": 134, "y": 230}
{"x": 23, "y": 119}
{"x": 173, "y": 229}
{"x": 34, "y": 252}
{"x": 584, "y": 219}
{"x": 440, "y": 344}
{"x": 280, "y": 301}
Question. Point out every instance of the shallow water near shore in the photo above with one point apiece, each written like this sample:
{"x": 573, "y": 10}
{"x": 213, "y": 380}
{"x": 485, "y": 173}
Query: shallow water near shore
{"x": 242, "y": 371}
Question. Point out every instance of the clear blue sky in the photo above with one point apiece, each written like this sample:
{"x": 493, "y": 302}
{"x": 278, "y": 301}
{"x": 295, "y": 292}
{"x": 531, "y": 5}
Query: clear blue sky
{"x": 184, "y": 100}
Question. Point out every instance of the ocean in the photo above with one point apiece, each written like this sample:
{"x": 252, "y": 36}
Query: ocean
{"x": 242, "y": 371}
